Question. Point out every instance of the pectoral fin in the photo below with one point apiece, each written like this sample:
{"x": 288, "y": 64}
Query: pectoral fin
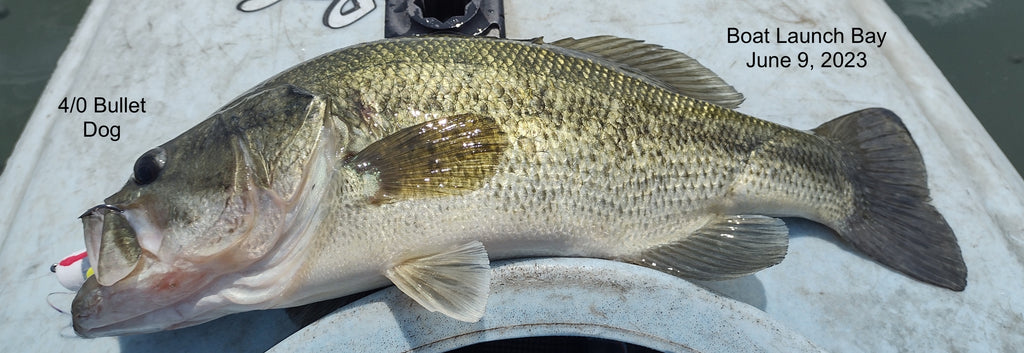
{"x": 448, "y": 156}
{"x": 729, "y": 247}
{"x": 455, "y": 281}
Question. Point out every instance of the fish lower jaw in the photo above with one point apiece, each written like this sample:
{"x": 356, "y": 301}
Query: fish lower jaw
{"x": 183, "y": 314}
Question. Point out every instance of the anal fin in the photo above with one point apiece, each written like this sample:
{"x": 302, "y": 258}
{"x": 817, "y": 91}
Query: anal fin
{"x": 455, "y": 282}
{"x": 728, "y": 247}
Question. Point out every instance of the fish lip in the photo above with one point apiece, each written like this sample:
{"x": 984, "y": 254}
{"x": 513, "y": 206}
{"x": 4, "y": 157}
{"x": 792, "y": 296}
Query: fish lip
{"x": 92, "y": 224}
{"x": 100, "y": 210}
{"x": 87, "y": 302}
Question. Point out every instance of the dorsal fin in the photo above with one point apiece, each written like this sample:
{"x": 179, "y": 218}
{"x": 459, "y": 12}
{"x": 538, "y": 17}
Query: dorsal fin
{"x": 677, "y": 71}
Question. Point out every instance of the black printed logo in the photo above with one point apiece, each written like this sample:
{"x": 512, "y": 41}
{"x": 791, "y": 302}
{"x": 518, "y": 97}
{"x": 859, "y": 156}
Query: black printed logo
{"x": 339, "y": 13}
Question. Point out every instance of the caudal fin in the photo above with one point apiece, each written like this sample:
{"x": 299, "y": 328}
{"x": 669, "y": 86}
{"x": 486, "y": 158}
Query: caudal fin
{"x": 893, "y": 222}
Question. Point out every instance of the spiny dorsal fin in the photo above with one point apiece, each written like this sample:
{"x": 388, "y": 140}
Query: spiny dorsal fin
{"x": 448, "y": 156}
{"x": 729, "y": 247}
{"x": 455, "y": 282}
{"x": 675, "y": 70}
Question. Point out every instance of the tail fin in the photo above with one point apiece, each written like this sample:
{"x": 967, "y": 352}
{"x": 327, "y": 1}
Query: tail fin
{"x": 893, "y": 222}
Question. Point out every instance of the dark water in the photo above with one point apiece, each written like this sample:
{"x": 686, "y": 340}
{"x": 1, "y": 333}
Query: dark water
{"x": 981, "y": 53}
{"x": 977, "y": 44}
{"x": 33, "y": 34}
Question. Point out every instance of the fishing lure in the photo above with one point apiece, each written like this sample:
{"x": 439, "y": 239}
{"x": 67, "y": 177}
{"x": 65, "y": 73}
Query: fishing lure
{"x": 73, "y": 270}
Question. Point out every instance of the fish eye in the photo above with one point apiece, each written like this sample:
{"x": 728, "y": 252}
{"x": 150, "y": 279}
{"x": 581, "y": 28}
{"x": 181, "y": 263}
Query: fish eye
{"x": 148, "y": 167}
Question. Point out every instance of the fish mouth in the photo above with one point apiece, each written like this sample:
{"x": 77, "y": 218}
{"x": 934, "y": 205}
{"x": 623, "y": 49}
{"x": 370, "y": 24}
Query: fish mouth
{"x": 120, "y": 263}
{"x": 135, "y": 290}
{"x": 113, "y": 249}
{"x": 111, "y": 242}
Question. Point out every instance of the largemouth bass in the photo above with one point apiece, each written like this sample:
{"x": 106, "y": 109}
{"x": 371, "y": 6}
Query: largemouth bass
{"x": 416, "y": 161}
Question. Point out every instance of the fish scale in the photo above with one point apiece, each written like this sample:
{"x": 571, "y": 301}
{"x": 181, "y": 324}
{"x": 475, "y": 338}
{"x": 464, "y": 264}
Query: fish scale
{"x": 557, "y": 113}
{"x": 417, "y": 161}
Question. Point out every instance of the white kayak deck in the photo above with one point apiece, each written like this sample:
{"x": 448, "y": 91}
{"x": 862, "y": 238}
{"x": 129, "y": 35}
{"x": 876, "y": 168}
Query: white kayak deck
{"x": 189, "y": 58}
